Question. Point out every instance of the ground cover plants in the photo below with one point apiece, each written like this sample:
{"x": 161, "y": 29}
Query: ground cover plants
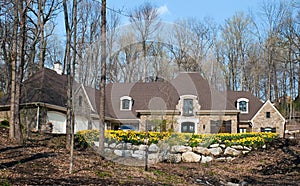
{"x": 252, "y": 139}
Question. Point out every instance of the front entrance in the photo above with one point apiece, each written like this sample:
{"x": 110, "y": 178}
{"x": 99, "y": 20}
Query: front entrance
{"x": 188, "y": 127}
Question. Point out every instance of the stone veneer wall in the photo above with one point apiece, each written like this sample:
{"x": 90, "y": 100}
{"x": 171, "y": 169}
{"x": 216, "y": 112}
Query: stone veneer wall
{"x": 203, "y": 120}
{"x": 174, "y": 154}
{"x": 171, "y": 120}
{"x": 28, "y": 118}
{"x": 274, "y": 121}
{"x": 4, "y": 115}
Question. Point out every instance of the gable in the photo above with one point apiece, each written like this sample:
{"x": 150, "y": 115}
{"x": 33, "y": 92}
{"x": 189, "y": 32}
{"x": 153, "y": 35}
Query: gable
{"x": 268, "y": 107}
{"x": 273, "y": 119}
{"x": 81, "y": 100}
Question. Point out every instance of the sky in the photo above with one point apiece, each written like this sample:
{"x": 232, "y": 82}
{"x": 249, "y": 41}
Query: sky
{"x": 172, "y": 10}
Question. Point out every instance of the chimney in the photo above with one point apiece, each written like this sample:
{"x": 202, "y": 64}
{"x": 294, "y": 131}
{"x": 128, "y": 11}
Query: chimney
{"x": 58, "y": 67}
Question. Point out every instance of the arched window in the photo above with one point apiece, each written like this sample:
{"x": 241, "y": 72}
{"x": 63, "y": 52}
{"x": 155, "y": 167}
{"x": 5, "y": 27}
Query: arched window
{"x": 242, "y": 105}
{"x": 125, "y": 103}
{"x": 188, "y": 127}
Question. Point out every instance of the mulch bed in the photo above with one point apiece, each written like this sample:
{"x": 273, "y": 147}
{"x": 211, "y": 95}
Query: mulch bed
{"x": 43, "y": 160}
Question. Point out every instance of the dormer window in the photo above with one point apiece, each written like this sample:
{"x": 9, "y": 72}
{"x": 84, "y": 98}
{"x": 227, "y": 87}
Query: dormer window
{"x": 188, "y": 107}
{"x": 242, "y": 105}
{"x": 126, "y": 103}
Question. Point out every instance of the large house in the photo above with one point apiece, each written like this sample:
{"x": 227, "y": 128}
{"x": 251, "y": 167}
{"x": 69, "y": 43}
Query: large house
{"x": 185, "y": 104}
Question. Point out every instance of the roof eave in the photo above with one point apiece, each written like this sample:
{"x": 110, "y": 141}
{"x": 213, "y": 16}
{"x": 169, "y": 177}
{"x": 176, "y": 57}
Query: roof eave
{"x": 218, "y": 112}
{"x": 36, "y": 104}
{"x": 158, "y": 112}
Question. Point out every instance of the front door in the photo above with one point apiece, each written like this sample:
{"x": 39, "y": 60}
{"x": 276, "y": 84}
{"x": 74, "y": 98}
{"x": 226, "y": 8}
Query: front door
{"x": 188, "y": 127}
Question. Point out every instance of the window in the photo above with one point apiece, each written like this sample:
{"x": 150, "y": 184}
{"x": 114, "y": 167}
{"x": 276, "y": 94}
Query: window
{"x": 188, "y": 127}
{"x": 80, "y": 101}
{"x": 243, "y": 130}
{"x": 126, "y": 103}
{"x": 268, "y": 129}
{"x": 188, "y": 107}
{"x": 220, "y": 126}
{"x": 268, "y": 115}
{"x": 242, "y": 105}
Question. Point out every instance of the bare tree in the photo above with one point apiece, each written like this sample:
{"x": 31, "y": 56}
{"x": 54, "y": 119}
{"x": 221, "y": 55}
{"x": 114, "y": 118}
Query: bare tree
{"x": 236, "y": 37}
{"x": 67, "y": 61}
{"x": 18, "y": 62}
{"x": 144, "y": 20}
{"x": 274, "y": 15}
{"x": 103, "y": 78}
{"x": 89, "y": 25}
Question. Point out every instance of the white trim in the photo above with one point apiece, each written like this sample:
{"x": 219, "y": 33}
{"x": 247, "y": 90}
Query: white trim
{"x": 247, "y": 106}
{"x": 180, "y": 104}
{"x": 192, "y": 120}
{"x": 88, "y": 99}
{"x": 37, "y": 118}
{"x": 86, "y": 95}
{"x": 188, "y": 96}
{"x": 121, "y": 103}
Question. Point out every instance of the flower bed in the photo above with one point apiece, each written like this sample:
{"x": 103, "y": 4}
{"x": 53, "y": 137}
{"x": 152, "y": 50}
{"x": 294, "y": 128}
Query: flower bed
{"x": 192, "y": 140}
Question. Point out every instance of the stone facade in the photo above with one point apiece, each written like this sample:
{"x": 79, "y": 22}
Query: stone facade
{"x": 204, "y": 122}
{"x": 275, "y": 119}
{"x": 4, "y": 115}
{"x": 202, "y": 126}
{"x": 163, "y": 152}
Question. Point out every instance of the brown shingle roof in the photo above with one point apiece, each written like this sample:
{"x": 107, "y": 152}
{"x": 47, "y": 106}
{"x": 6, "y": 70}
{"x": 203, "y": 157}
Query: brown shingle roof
{"x": 45, "y": 86}
{"x": 195, "y": 84}
{"x": 164, "y": 95}
{"x": 254, "y": 103}
{"x": 146, "y": 96}
{"x": 49, "y": 87}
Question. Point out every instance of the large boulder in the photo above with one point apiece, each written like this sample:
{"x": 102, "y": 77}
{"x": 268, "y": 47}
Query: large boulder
{"x": 201, "y": 150}
{"x": 112, "y": 145}
{"x": 247, "y": 148}
{"x": 206, "y": 159}
{"x": 153, "y": 158}
{"x": 237, "y": 147}
{"x": 180, "y": 149}
{"x": 139, "y": 154}
{"x": 214, "y": 145}
{"x": 173, "y": 158}
{"x": 143, "y": 147}
{"x": 153, "y": 148}
{"x": 190, "y": 157}
{"x": 231, "y": 152}
{"x": 123, "y": 153}
{"x": 215, "y": 151}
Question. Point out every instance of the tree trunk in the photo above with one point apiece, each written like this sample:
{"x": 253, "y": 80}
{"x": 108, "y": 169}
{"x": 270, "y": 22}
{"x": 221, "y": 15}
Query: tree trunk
{"x": 67, "y": 61}
{"x": 74, "y": 21}
{"x": 22, "y": 13}
{"x": 42, "y": 37}
{"x": 14, "y": 59}
{"x": 103, "y": 79}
